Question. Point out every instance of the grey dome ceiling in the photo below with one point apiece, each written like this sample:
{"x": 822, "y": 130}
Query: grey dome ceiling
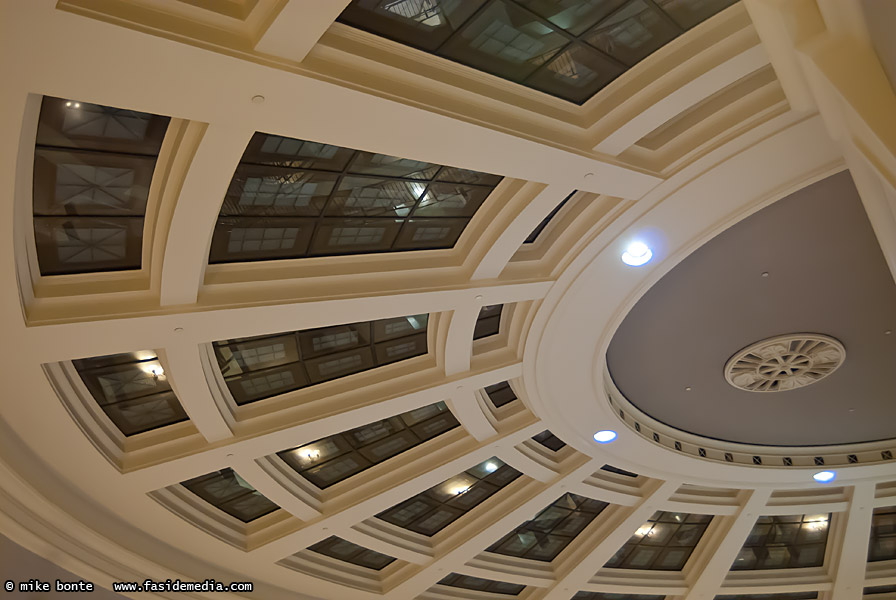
{"x": 826, "y": 274}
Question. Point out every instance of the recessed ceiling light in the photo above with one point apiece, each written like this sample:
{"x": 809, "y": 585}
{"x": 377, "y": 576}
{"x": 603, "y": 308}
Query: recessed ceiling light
{"x": 491, "y": 467}
{"x": 605, "y": 437}
{"x": 824, "y": 476}
{"x": 637, "y": 254}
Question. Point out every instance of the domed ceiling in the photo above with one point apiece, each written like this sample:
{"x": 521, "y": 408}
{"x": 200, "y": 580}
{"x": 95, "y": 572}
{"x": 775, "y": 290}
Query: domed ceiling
{"x": 809, "y": 263}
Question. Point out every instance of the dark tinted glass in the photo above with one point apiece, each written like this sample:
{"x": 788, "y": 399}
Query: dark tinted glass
{"x": 788, "y": 596}
{"x": 545, "y": 536}
{"x": 227, "y": 491}
{"x": 689, "y": 13}
{"x": 431, "y": 511}
{"x": 132, "y": 390}
{"x": 663, "y": 543}
{"x": 633, "y": 32}
{"x": 549, "y": 440}
{"x": 618, "y": 471}
{"x": 610, "y": 596}
{"x": 879, "y": 589}
{"x": 500, "y": 394}
{"x": 882, "y": 545}
{"x": 294, "y": 198}
{"x": 344, "y": 550}
{"x": 93, "y": 166}
{"x": 335, "y": 458}
{"x": 483, "y": 585}
{"x": 785, "y": 542}
{"x": 488, "y": 322}
{"x": 261, "y": 367}
{"x": 570, "y": 49}
{"x": 544, "y": 223}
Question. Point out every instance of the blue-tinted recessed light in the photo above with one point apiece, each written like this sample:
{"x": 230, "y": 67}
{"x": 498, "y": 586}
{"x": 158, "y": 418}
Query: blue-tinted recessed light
{"x": 637, "y": 254}
{"x": 605, "y": 437}
{"x": 825, "y": 476}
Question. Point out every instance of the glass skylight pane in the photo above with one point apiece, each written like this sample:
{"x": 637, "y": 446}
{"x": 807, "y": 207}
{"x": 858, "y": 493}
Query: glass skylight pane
{"x": 132, "y": 390}
{"x": 540, "y": 44}
{"x": 663, "y": 543}
{"x": 506, "y": 41}
{"x": 500, "y": 394}
{"x": 882, "y": 543}
{"x": 346, "y": 551}
{"x": 549, "y": 441}
{"x": 575, "y": 16}
{"x": 424, "y": 24}
{"x": 263, "y": 366}
{"x": 467, "y": 582}
{"x": 489, "y": 321}
{"x": 332, "y": 459}
{"x": 792, "y": 541}
{"x": 633, "y": 32}
{"x": 296, "y": 199}
{"x": 431, "y": 511}
{"x": 544, "y": 537}
{"x": 228, "y": 491}
{"x": 93, "y": 166}
{"x": 577, "y": 73}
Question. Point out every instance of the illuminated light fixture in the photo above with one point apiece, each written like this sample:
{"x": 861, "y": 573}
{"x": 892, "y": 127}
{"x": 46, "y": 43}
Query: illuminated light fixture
{"x": 491, "y": 467}
{"x": 605, "y": 437}
{"x": 824, "y": 476}
{"x": 637, "y": 254}
{"x": 459, "y": 489}
{"x": 155, "y": 370}
{"x": 309, "y": 453}
{"x": 645, "y": 529}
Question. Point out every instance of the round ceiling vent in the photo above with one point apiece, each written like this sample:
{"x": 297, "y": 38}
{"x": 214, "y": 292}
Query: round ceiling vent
{"x": 784, "y": 362}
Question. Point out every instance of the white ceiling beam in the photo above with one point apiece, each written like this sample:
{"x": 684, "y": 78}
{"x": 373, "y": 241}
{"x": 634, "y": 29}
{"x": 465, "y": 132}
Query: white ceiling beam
{"x": 849, "y": 564}
{"x": 524, "y": 221}
{"x": 196, "y": 212}
{"x": 713, "y": 571}
{"x": 575, "y": 576}
{"x": 683, "y": 98}
{"x": 64, "y": 341}
{"x": 183, "y": 369}
{"x": 298, "y": 26}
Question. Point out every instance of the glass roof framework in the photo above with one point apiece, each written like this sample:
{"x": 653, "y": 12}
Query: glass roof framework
{"x": 551, "y": 531}
{"x": 664, "y": 543}
{"x": 468, "y": 582}
{"x": 882, "y": 544}
{"x": 784, "y": 596}
{"x": 132, "y": 389}
{"x": 488, "y": 323}
{"x": 229, "y": 492}
{"x": 346, "y": 551}
{"x": 335, "y": 458}
{"x": 570, "y": 49}
{"x": 296, "y": 199}
{"x": 264, "y": 366}
{"x": 93, "y": 166}
{"x": 792, "y": 541}
{"x": 431, "y": 511}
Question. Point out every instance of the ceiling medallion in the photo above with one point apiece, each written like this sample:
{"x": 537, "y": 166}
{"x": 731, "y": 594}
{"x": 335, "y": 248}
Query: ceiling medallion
{"x": 784, "y": 362}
